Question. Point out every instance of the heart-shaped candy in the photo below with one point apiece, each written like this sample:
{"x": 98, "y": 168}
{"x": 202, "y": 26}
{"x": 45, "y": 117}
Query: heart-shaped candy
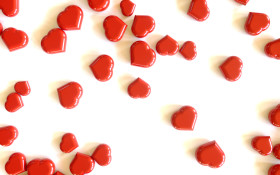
{"x": 1, "y": 28}
{"x": 274, "y": 170}
{"x": 114, "y": 28}
{"x": 232, "y": 68}
{"x": 262, "y": 144}
{"x": 16, "y": 164}
{"x": 102, "y": 68}
{"x": 102, "y": 155}
{"x": 70, "y": 94}
{"x": 68, "y": 143}
{"x": 188, "y": 50}
{"x": 127, "y": 7}
{"x": 167, "y": 46}
{"x": 54, "y": 41}
{"x": 210, "y": 154}
{"x": 23, "y": 88}
{"x": 272, "y": 49}
{"x": 81, "y": 164}
{"x": 9, "y": 7}
{"x": 244, "y": 2}
{"x": 142, "y": 55}
{"x": 276, "y": 151}
{"x": 274, "y": 116}
{"x": 14, "y": 39}
{"x": 184, "y": 119}
{"x": 199, "y": 10}
{"x": 58, "y": 173}
{"x": 8, "y": 134}
{"x": 99, "y": 5}
{"x": 256, "y": 23}
{"x": 142, "y": 26}
{"x": 41, "y": 167}
{"x": 13, "y": 102}
{"x": 71, "y": 18}
{"x": 139, "y": 89}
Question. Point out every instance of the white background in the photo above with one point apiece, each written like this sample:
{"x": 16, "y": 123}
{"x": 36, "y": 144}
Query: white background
{"x": 139, "y": 131}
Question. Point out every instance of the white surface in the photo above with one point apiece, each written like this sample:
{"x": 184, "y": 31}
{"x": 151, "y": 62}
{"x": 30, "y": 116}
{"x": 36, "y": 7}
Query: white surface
{"x": 139, "y": 131}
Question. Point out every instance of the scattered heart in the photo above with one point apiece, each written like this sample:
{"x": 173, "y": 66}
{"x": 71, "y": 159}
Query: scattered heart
{"x": 9, "y": 8}
{"x": 8, "y": 134}
{"x": 274, "y": 116}
{"x": 22, "y": 88}
{"x": 40, "y": 166}
{"x": 68, "y": 143}
{"x": 142, "y": 25}
{"x": 14, "y": 39}
{"x": 139, "y": 89}
{"x": 71, "y": 18}
{"x": 102, "y": 68}
{"x": 262, "y": 144}
{"x": 184, "y": 119}
{"x": 70, "y": 94}
{"x": 99, "y": 5}
{"x": 199, "y": 10}
{"x": 188, "y": 50}
{"x": 16, "y": 164}
{"x": 167, "y": 46}
{"x": 272, "y": 49}
{"x": 256, "y": 23}
{"x": 274, "y": 170}
{"x": 102, "y": 155}
{"x": 232, "y": 68}
{"x": 81, "y": 164}
{"x": 54, "y": 41}
{"x": 114, "y": 28}
{"x": 127, "y": 7}
{"x": 13, "y": 102}
{"x": 142, "y": 55}
{"x": 244, "y": 2}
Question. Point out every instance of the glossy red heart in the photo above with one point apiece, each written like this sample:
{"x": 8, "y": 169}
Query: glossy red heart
{"x": 68, "y": 143}
{"x": 16, "y": 164}
{"x": 8, "y": 135}
{"x": 256, "y": 23}
{"x": 14, "y": 39}
{"x": 23, "y": 88}
{"x": 127, "y": 7}
{"x": 41, "y": 167}
{"x": 70, "y": 94}
{"x": 210, "y": 154}
{"x": 274, "y": 116}
{"x": 1, "y": 28}
{"x": 244, "y": 2}
{"x": 262, "y": 144}
{"x": 272, "y": 49}
{"x": 139, "y": 89}
{"x": 71, "y": 18}
{"x": 184, "y": 119}
{"x": 54, "y": 41}
{"x": 58, "y": 173}
{"x": 114, "y": 28}
{"x": 102, "y": 155}
{"x": 276, "y": 151}
{"x": 9, "y": 7}
{"x": 188, "y": 50}
{"x": 81, "y": 164}
{"x": 167, "y": 46}
{"x": 274, "y": 170}
{"x": 102, "y": 68}
{"x": 199, "y": 10}
{"x": 142, "y": 55}
{"x": 142, "y": 25}
{"x": 99, "y": 5}
{"x": 232, "y": 68}
{"x": 13, "y": 102}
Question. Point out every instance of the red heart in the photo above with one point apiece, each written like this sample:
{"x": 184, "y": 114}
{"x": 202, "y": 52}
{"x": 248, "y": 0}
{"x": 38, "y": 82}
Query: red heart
{"x": 142, "y": 55}
{"x": 188, "y": 50}
{"x": 139, "y": 89}
{"x": 274, "y": 170}
{"x": 102, "y": 68}
{"x": 99, "y": 5}
{"x": 8, "y": 134}
{"x": 185, "y": 118}
{"x": 68, "y": 143}
{"x": 13, "y": 102}
{"x": 54, "y": 41}
{"x": 9, "y": 8}
{"x": 199, "y": 10}
{"x": 71, "y": 18}
{"x": 14, "y": 39}
{"x": 70, "y": 94}
{"x": 127, "y": 7}
{"x": 58, "y": 173}
{"x": 114, "y": 28}
{"x": 142, "y": 26}
{"x": 42, "y": 167}
{"x": 276, "y": 151}
{"x": 1, "y": 28}
{"x": 232, "y": 68}
{"x": 81, "y": 164}
{"x": 167, "y": 46}
{"x": 262, "y": 144}
{"x": 274, "y": 116}
{"x": 22, "y": 88}
{"x": 256, "y": 23}
{"x": 102, "y": 155}
{"x": 272, "y": 49}
{"x": 16, "y": 164}
{"x": 210, "y": 154}
{"x": 244, "y": 2}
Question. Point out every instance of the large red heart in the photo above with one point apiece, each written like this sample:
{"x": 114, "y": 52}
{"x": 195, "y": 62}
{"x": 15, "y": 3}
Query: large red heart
{"x": 102, "y": 155}
{"x": 68, "y": 143}
{"x": 81, "y": 164}
{"x": 13, "y": 102}
{"x": 185, "y": 118}
{"x": 102, "y": 68}
{"x": 99, "y": 5}
{"x": 23, "y": 88}
{"x": 167, "y": 46}
{"x": 41, "y": 167}
{"x": 16, "y": 164}
{"x": 8, "y": 134}
{"x": 14, "y": 39}
{"x": 256, "y": 23}
{"x": 199, "y": 10}
{"x": 142, "y": 55}
{"x": 54, "y": 41}
{"x": 127, "y": 7}
{"x": 139, "y": 89}
{"x": 274, "y": 116}
{"x": 232, "y": 68}
{"x": 9, "y": 7}
{"x": 142, "y": 26}
{"x": 244, "y": 2}
{"x": 114, "y": 28}
{"x": 274, "y": 170}
{"x": 262, "y": 144}
{"x": 71, "y": 18}
{"x": 188, "y": 50}
{"x": 272, "y": 49}
{"x": 70, "y": 94}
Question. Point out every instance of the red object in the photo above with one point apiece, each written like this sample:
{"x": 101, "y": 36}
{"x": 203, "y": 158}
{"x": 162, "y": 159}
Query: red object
{"x": 58, "y": 173}
{"x": 14, "y": 39}
{"x": 1, "y": 28}
{"x": 99, "y": 5}
{"x": 9, "y": 7}
{"x": 68, "y": 143}
{"x": 184, "y": 119}
{"x": 232, "y": 68}
{"x": 244, "y": 2}
{"x": 70, "y": 94}
{"x": 210, "y": 154}
{"x": 54, "y": 41}
{"x": 16, "y": 164}
{"x": 274, "y": 170}
{"x": 262, "y": 144}
{"x": 167, "y": 46}
{"x": 102, "y": 155}
{"x": 127, "y": 7}
{"x": 274, "y": 116}
{"x": 114, "y": 28}
{"x": 102, "y": 68}
{"x": 22, "y": 88}
{"x": 13, "y": 102}
{"x": 256, "y": 23}
{"x": 276, "y": 151}
{"x": 81, "y": 164}
{"x": 71, "y": 18}
{"x": 142, "y": 55}
{"x": 188, "y": 50}
{"x": 8, "y": 134}
{"x": 139, "y": 89}
{"x": 272, "y": 49}
{"x": 199, "y": 10}
{"x": 142, "y": 25}
{"x": 41, "y": 166}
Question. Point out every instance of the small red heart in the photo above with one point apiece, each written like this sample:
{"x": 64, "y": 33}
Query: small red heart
{"x": 99, "y": 5}
{"x": 58, "y": 173}
{"x": 184, "y": 119}
{"x": 102, "y": 155}
{"x": 232, "y": 68}
{"x": 127, "y": 7}
{"x": 256, "y": 23}
{"x": 244, "y": 2}
{"x": 54, "y": 41}
{"x": 167, "y": 46}
{"x": 142, "y": 55}
{"x": 8, "y": 134}
{"x": 22, "y": 88}
{"x": 274, "y": 170}
{"x": 13, "y": 102}
{"x": 68, "y": 143}
{"x": 272, "y": 49}
{"x": 274, "y": 116}
{"x": 276, "y": 151}
{"x": 188, "y": 50}
{"x": 16, "y": 164}
{"x": 114, "y": 28}
{"x": 70, "y": 94}
{"x": 262, "y": 144}
{"x": 139, "y": 89}
{"x": 199, "y": 10}
{"x": 14, "y": 39}
{"x": 102, "y": 68}
{"x": 71, "y": 18}
{"x": 1, "y": 28}
{"x": 210, "y": 154}
{"x": 142, "y": 25}
{"x": 81, "y": 164}
{"x": 9, "y": 8}
{"x": 41, "y": 167}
